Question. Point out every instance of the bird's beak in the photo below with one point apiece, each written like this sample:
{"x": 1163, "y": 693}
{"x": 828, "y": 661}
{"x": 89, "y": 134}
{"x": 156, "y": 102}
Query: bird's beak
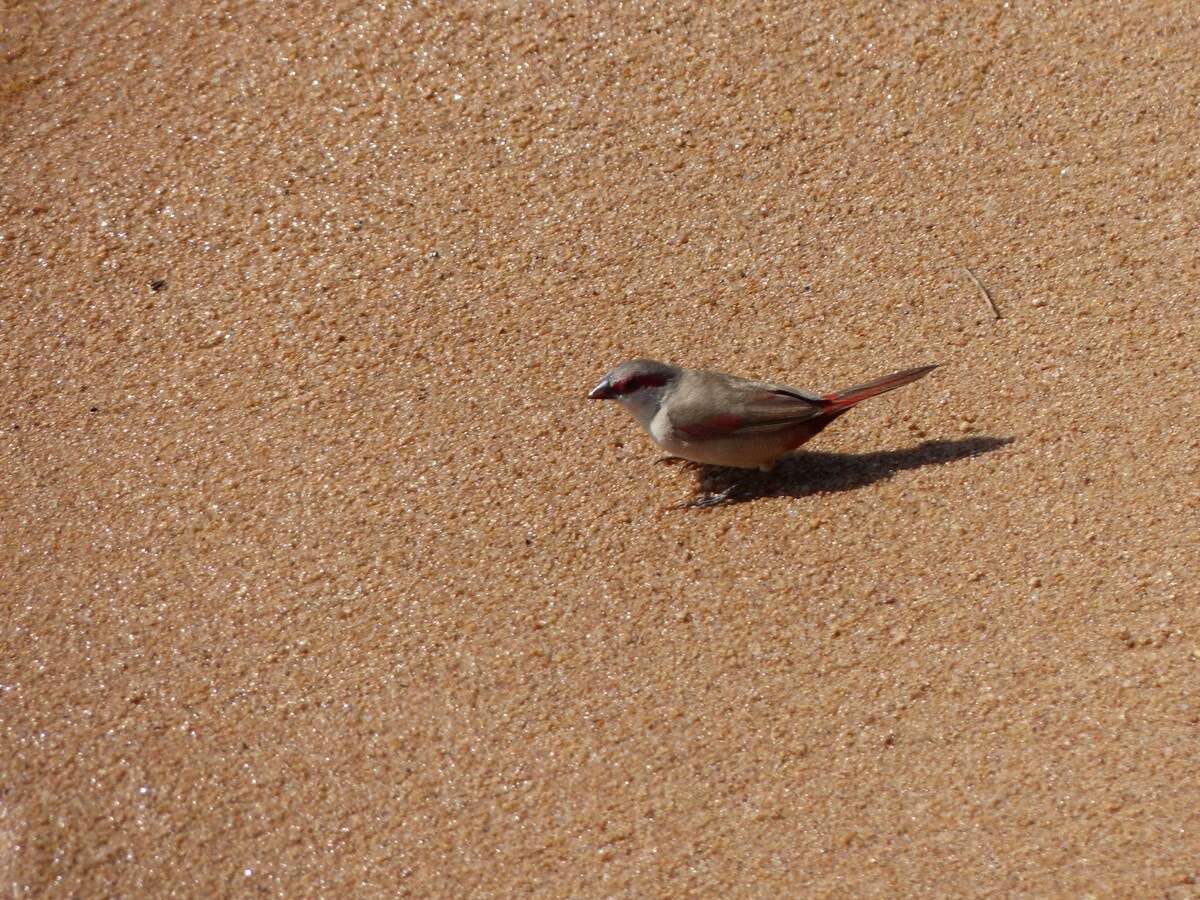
{"x": 602, "y": 391}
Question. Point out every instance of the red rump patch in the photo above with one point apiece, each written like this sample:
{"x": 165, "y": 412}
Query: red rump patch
{"x": 716, "y": 426}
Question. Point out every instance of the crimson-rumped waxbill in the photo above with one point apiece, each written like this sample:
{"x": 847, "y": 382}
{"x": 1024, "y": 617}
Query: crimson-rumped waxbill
{"x": 722, "y": 420}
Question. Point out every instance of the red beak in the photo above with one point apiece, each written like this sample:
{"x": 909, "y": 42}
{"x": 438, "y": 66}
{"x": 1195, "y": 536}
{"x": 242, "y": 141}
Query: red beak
{"x": 602, "y": 391}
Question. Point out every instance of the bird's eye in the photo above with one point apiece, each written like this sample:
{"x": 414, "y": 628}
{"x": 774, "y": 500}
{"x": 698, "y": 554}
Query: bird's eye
{"x": 636, "y": 382}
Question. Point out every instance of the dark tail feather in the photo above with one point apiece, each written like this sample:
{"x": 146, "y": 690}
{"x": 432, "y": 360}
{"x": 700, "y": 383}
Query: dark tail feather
{"x": 842, "y": 400}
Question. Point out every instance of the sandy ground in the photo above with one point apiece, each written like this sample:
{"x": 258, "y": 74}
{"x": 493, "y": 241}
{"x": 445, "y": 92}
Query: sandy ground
{"x": 320, "y": 576}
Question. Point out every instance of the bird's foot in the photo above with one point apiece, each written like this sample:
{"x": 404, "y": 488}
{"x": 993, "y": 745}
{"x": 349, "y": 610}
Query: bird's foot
{"x": 707, "y": 501}
{"x": 672, "y": 461}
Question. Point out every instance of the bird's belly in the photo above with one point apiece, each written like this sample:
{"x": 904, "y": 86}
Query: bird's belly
{"x": 737, "y": 452}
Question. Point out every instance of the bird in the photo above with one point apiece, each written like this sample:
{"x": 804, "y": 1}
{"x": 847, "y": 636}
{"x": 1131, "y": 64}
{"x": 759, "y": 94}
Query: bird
{"x": 713, "y": 418}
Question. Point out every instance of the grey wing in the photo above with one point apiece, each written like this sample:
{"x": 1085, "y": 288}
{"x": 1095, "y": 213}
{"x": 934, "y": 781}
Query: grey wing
{"x": 760, "y": 408}
{"x": 783, "y": 391}
{"x": 769, "y": 406}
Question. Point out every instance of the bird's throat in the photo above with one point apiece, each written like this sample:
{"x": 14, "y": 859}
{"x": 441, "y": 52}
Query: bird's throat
{"x": 644, "y": 404}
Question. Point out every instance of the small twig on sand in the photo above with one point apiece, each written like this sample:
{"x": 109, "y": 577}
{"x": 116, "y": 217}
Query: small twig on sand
{"x": 987, "y": 295}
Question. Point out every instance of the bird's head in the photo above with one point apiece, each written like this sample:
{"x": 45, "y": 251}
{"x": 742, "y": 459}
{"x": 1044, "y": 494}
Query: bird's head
{"x": 638, "y": 385}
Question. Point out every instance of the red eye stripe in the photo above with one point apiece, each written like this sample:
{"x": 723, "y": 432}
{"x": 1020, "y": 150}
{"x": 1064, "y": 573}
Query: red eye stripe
{"x": 636, "y": 382}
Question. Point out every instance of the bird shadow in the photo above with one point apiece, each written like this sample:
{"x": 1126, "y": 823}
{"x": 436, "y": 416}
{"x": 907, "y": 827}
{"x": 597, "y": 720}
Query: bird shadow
{"x": 813, "y": 472}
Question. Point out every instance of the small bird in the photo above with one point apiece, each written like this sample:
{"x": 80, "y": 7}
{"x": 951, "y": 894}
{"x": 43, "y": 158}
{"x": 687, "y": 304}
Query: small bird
{"x": 722, "y": 420}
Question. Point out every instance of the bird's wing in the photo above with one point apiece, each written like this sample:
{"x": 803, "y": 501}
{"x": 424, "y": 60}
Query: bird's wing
{"x": 782, "y": 390}
{"x": 754, "y": 407}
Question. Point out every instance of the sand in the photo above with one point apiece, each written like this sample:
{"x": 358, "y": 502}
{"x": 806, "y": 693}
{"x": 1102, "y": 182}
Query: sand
{"x": 320, "y": 577}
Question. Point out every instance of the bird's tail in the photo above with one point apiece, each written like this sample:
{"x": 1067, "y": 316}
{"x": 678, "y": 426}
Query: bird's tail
{"x": 843, "y": 400}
